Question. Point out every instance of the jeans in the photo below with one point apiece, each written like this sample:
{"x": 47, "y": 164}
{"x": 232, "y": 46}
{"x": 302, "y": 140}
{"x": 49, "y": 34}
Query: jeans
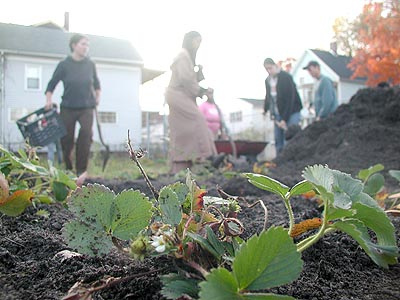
{"x": 280, "y": 133}
{"x": 53, "y": 147}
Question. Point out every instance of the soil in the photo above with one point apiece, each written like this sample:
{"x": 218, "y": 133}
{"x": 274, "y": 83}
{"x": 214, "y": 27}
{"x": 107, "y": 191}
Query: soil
{"x": 360, "y": 134}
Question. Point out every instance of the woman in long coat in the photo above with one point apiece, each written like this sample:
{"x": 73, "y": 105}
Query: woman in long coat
{"x": 190, "y": 139}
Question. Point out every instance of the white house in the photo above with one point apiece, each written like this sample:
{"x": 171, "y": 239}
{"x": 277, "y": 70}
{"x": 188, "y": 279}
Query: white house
{"x": 332, "y": 65}
{"x": 28, "y": 57}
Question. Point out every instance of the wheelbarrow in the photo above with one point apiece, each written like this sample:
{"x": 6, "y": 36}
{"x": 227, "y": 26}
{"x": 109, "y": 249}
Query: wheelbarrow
{"x": 246, "y": 148}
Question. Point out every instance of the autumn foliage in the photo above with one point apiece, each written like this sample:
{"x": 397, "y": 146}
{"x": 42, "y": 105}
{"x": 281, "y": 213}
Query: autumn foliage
{"x": 378, "y": 55}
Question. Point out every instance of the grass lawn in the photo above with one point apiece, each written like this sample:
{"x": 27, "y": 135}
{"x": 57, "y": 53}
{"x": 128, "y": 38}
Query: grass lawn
{"x": 120, "y": 166}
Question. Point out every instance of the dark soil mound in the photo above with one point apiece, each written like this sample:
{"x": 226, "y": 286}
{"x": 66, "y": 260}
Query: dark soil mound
{"x": 359, "y": 134}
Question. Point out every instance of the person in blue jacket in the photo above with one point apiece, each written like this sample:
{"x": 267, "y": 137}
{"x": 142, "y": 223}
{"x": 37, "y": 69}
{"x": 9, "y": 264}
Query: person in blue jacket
{"x": 325, "y": 100}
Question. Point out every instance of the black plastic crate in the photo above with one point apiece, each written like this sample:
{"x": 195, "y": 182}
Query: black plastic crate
{"x": 42, "y": 127}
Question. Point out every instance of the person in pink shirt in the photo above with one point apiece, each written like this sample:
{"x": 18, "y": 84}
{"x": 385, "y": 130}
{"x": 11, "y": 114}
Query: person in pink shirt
{"x": 211, "y": 113}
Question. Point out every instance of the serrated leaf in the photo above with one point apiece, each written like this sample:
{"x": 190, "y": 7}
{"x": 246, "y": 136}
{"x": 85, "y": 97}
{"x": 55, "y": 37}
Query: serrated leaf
{"x": 93, "y": 203}
{"x": 381, "y": 255}
{"x": 374, "y": 184}
{"x": 175, "y": 286}
{"x": 320, "y": 176}
{"x": 267, "y": 260}
{"x": 88, "y": 238}
{"x": 366, "y": 173}
{"x": 300, "y": 188}
{"x": 171, "y": 210}
{"x": 16, "y": 203}
{"x": 395, "y": 174}
{"x": 219, "y": 285}
{"x": 60, "y": 190}
{"x": 268, "y": 184}
{"x": 345, "y": 183}
{"x": 181, "y": 191}
{"x": 132, "y": 214}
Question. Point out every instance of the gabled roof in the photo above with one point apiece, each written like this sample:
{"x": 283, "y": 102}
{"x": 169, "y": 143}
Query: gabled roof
{"x": 254, "y": 102}
{"x": 338, "y": 63}
{"x": 41, "y": 41}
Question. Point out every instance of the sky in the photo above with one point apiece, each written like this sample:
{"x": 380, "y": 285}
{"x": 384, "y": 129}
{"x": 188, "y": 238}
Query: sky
{"x": 237, "y": 34}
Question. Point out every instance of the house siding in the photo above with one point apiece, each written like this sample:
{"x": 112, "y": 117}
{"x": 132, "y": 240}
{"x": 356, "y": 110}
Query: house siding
{"x": 120, "y": 94}
{"x": 347, "y": 90}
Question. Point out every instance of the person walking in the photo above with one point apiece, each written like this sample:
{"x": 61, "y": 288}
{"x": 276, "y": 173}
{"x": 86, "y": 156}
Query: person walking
{"x": 190, "y": 139}
{"x": 325, "y": 100}
{"x": 282, "y": 100}
{"x": 81, "y": 96}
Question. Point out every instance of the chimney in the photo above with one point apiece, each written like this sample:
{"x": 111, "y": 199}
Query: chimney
{"x": 334, "y": 48}
{"x": 66, "y": 21}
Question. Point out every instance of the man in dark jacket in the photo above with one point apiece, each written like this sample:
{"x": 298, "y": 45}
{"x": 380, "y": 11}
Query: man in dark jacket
{"x": 282, "y": 99}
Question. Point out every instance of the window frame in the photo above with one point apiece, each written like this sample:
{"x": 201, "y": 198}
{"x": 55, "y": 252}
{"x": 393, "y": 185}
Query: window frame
{"x": 39, "y": 68}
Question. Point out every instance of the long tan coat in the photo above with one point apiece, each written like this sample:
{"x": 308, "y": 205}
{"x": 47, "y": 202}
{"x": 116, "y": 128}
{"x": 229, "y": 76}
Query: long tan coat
{"x": 190, "y": 138}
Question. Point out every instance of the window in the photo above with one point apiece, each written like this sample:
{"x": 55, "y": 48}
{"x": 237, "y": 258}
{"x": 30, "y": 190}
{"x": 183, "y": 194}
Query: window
{"x": 16, "y": 113}
{"x": 235, "y": 117}
{"x": 109, "y": 117}
{"x": 33, "y": 78}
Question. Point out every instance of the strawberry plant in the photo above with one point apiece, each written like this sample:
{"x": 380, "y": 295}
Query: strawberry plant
{"x": 26, "y": 181}
{"x": 346, "y": 207}
{"x": 199, "y": 233}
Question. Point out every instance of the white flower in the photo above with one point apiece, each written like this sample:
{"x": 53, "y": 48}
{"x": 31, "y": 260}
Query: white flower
{"x": 158, "y": 243}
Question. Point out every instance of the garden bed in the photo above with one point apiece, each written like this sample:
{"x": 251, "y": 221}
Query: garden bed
{"x": 360, "y": 134}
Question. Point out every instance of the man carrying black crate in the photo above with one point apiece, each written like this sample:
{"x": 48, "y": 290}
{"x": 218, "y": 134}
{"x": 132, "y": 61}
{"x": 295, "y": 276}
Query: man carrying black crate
{"x": 81, "y": 96}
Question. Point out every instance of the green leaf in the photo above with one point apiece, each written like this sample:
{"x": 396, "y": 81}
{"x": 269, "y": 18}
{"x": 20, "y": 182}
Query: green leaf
{"x": 320, "y": 176}
{"x": 395, "y": 174}
{"x": 300, "y": 188}
{"x": 24, "y": 162}
{"x": 204, "y": 243}
{"x": 175, "y": 286}
{"x": 88, "y": 238}
{"x": 367, "y": 200}
{"x": 215, "y": 242}
{"x": 100, "y": 215}
{"x": 376, "y": 220}
{"x": 381, "y": 255}
{"x": 219, "y": 285}
{"x": 132, "y": 214}
{"x": 60, "y": 190}
{"x": 93, "y": 203}
{"x": 346, "y": 184}
{"x": 16, "y": 204}
{"x": 374, "y": 184}
{"x": 339, "y": 213}
{"x": 181, "y": 191}
{"x": 171, "y": 210}
{"x": 366, "y": 173}
{"x": 266, "y": 183}
{"x": 266, "y": 261}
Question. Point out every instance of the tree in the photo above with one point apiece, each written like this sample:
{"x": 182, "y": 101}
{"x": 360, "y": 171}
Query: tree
{"x": 378, "y": 37}
{"x": 346, "y": 35}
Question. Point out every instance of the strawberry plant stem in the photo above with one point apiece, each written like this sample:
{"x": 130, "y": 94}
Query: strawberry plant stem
{"x": 290, "y": 212}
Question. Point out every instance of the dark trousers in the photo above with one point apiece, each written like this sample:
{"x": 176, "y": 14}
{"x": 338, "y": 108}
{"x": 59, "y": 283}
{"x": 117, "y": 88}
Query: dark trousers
{"x": 85, "y": 119}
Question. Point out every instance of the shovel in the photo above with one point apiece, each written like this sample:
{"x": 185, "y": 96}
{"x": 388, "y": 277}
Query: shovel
{"x": 105, "y": 154}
